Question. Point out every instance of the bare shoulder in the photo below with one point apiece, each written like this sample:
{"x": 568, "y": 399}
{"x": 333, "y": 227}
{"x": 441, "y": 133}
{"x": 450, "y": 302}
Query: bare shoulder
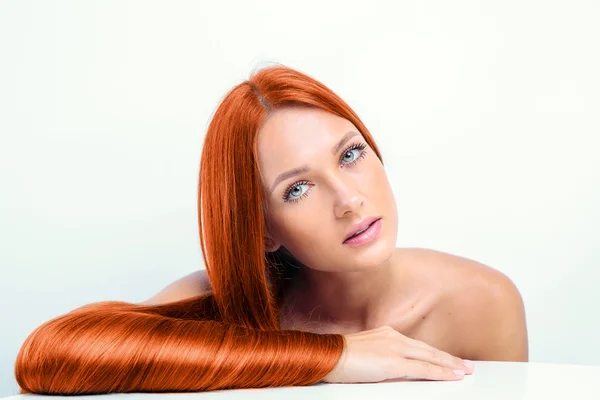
{"x": 454, "y": 272}
{"x": 191, "y": 285}
{"x": 481, "y": 305}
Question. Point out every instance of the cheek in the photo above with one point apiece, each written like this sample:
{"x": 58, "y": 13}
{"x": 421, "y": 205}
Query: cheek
{"x": 301, "y": 229}
{"x": 305, "y": 235}
{"x": 380, "y": 178}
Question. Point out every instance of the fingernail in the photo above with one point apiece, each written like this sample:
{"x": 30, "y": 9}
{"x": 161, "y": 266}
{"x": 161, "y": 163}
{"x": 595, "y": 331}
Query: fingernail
{"x": 459, "y": 372}
{"x": 468, "y": 363}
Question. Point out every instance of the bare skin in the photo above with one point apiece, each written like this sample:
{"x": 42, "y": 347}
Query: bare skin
{"x": 415, "y": 310}
{"x": 455, "y": 304}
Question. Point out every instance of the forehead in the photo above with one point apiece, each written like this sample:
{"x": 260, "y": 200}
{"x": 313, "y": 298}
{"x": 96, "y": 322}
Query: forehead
{"x": 294, "y": 136}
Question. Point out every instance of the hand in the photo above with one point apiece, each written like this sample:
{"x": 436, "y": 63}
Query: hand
{"x": 384, "y": 353}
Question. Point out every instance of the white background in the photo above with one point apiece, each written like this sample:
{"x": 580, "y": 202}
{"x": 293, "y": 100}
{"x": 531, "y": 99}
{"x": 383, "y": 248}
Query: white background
{"x": 486, "y": 114}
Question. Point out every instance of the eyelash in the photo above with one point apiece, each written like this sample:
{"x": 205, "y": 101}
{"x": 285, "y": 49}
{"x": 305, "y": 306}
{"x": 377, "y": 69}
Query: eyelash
{"x": 355, "y": 146}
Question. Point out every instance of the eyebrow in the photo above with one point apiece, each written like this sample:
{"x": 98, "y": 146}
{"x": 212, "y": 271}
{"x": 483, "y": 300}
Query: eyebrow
{"x": 304, "y": 168}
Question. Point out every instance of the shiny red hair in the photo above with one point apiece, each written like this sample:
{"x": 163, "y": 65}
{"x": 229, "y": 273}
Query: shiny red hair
{"x": 229, "y": 337}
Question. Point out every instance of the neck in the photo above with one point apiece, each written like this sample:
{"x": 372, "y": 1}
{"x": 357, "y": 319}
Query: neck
{"x": 355, "y": 299}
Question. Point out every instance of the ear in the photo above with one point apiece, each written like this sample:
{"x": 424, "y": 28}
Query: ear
{"x": 271, "y": 244}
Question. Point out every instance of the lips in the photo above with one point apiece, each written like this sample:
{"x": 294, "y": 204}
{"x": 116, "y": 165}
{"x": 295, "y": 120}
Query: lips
{"x": 360, "y": 226}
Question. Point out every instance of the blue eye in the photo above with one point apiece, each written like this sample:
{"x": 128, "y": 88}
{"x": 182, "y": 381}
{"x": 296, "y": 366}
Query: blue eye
{"x": 358, "y": 147}
{"x": 298, "y": 194}
{"x": 350, "y": 152}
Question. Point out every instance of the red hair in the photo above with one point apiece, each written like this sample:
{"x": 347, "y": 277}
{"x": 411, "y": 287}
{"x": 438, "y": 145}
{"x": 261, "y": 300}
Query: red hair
{"x": 229, "y": 337}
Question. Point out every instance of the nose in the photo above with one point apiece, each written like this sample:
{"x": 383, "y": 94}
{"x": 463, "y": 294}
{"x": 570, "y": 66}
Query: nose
{"x": 347, "y": 200}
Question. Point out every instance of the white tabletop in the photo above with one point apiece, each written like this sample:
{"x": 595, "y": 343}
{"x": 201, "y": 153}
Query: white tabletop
{"x": 491, "y": 380}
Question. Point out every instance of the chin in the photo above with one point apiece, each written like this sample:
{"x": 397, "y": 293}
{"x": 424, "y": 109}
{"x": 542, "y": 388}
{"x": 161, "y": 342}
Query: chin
{"x": 370, "y": 258}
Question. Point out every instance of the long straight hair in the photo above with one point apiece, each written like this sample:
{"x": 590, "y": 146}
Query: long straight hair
{"x": 229, "y": 337}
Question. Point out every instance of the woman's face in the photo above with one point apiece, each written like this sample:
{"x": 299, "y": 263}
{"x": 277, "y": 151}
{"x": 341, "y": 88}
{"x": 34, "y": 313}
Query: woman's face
{"x": 310, "y": 213}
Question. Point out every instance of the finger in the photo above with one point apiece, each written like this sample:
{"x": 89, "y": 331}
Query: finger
{"x": 434, "y": 356}
{"x": 424, "y": 370}
{"x": 457, "y": 361}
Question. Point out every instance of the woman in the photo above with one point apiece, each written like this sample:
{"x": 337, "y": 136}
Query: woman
{"x": 294, "y": 293}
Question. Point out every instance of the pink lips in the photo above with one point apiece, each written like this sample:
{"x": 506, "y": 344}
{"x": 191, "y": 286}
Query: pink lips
{"x": 360, "y": 226}
{"x": 365, "y": 237}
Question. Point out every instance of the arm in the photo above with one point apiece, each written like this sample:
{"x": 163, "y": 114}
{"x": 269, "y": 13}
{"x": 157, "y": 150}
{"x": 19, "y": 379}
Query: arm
{"x": 121, "y": 347}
